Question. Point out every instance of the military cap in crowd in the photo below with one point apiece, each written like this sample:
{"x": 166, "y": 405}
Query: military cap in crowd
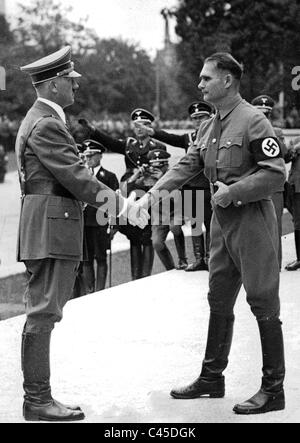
{"x": 201, "y": 108}
{"x": 55, "y": 65}
{"x": 157, "y": 155}
{"x": 92, "y": 147}
{"x": 142, "y": 115}
{"x": 263, "y": 102}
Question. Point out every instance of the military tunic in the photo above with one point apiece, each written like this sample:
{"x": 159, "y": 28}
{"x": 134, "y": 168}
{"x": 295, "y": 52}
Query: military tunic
{"x": 50, "y": 238}
{"x": 244, "y": 235}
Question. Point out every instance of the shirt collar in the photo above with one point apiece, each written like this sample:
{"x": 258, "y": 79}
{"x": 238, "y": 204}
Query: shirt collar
{"x": 97, "y": 169}
{"x": 56, "y": 108}
{"x": 230, "y": 105}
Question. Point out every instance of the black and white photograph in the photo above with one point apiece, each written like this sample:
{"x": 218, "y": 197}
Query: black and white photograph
{"x": 149, "y": 214}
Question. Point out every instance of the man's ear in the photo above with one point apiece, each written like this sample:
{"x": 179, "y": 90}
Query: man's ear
{"x": 53, "y": 87}
{"x": 228, "y": 80}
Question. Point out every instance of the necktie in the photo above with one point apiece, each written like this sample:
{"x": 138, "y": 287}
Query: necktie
{"x": 212, "y": 150}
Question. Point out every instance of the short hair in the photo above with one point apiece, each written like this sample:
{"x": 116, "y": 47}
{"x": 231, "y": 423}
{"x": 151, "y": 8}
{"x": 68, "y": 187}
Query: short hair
{"x": 226, "y": 62}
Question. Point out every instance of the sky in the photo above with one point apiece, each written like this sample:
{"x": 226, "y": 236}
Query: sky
{"x": 137, "y": 21}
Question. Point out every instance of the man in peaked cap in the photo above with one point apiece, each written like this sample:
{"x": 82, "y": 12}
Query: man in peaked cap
{"x": 135, "y": 150}
{"x": 54, "y": 182}
{"x": 265, "y": 103}
{"x": 97, "y": 236}
{"x": 165, "y": 221}
{"x": 199, "y": 112}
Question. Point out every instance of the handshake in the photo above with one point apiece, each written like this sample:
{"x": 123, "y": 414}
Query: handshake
{"x": 136, "y": 212}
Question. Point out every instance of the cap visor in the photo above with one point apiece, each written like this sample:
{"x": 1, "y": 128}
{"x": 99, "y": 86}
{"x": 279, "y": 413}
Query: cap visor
{"x": 73, "y": 74}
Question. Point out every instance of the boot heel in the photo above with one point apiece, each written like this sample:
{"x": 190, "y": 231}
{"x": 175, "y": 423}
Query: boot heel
{"x": 217, "y": 395}
{"x": 29, "y": 415}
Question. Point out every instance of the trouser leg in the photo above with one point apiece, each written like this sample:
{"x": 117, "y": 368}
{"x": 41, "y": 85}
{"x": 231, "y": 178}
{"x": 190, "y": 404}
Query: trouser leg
{"x": 136, "y": 260}
{"x": 89, "y": 276}
{"x": 224, "y": 286}
{"x": 180, "y": 246}
{"x": 147, "y": 260}
{"x": 50, "y": 286}
{"x": 278, "y": 201}
{"x": 159, "y": 235}
{"x": 102, "y": 269}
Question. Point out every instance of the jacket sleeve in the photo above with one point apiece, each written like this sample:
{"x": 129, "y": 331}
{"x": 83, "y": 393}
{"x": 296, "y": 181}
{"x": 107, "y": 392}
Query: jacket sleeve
{"x": 109, "y": 142}
{"x": 270, "y": 173}
{"x": 180, "y": 141}
{"x": 180, "y": 174}
{"x": 56, "y": 150}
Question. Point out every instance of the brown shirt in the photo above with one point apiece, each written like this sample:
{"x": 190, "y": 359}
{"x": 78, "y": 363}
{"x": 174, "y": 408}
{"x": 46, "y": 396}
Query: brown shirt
{"x": 248, "y": 155}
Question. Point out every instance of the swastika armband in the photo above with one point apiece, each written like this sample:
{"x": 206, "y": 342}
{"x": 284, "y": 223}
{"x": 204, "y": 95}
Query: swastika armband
{"x": 265, "y": 148}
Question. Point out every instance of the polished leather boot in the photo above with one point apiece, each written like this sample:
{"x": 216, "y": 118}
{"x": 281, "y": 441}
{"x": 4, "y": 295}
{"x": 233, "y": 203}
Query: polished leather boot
{"x": 296, "y": 264}
{"x": 39, "y": 404}
{"x": 271, "y": 395}
{"x": 198, "y": 247}
{"x": 181, "y": 251}
{"x": 211, "y": 381}
{"x": 166, "y": 258}
{"x": 136, "y": 261}
{"x": 148, "y": 259}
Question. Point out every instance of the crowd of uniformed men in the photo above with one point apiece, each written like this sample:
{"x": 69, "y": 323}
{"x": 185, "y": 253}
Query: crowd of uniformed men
{"x": 147, "y": 160}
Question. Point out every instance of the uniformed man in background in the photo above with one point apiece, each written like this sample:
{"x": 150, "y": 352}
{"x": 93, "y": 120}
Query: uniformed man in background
{"x": 293, "y": 187}
{"x": 242, "y": 160}
{"x": 97, "y": 236}
{"x": 172, "y": 220}
{"x": 199, "y": 112}
{"x": 54, "y": 182}
{"x": 135, "y": 150}
{"x": 265, "y": 103}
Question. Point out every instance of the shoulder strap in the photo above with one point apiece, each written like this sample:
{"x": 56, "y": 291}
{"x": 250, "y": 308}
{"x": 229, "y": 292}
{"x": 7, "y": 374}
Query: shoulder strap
{"x": 20, "y": 151}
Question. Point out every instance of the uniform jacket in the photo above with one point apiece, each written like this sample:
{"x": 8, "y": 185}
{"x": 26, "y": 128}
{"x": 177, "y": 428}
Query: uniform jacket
{"x": 109, "y": 179}
{"x": 184, "y": 141}
{"x": 248, "y": 156}
{"x": 135, "y": 153}
{"x": 51, "y": 226}
{"x": 294, "y": 157}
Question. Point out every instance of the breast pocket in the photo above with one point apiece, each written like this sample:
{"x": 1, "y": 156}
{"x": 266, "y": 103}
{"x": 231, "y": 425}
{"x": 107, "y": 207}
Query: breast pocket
{"x": 64, "y": 230}
{"x": 230, "y": 154}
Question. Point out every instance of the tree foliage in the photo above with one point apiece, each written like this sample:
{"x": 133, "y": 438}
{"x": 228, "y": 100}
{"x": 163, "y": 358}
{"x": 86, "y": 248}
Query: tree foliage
{"x": 264, "y": 36}
{"x": 117, "y": 76}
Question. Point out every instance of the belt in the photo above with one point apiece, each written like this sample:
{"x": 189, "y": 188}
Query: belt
{"x": 43, "y": 187}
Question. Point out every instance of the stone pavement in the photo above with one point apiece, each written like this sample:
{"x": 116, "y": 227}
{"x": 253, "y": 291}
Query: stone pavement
{"x": 118, "y": 353}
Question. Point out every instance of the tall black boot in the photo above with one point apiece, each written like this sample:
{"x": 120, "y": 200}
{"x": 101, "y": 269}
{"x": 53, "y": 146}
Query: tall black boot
{"x": 147, "y": 260}
{"x": 198, "y": 247}
{"x": 296, "y": 264}
{"x": 271, "y": 395}
{"x": 101, "y": 275}
{"x": 166, "y": 258}
{"x": 136, "y": 258}
{"x": 211, "y": 381}
{"x": 38, "y": 402}
{"x": 181, "y": 251}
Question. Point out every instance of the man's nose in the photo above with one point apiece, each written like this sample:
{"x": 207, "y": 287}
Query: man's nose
{"x": 201, "y": 86}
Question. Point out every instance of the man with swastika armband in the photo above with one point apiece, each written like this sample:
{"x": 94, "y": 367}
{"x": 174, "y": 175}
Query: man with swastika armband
{"x": 265, "y": 103}
{"x": 242, "y": 160}
{"x": 199, "y": 112}
{"x": 135, "y": 150}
